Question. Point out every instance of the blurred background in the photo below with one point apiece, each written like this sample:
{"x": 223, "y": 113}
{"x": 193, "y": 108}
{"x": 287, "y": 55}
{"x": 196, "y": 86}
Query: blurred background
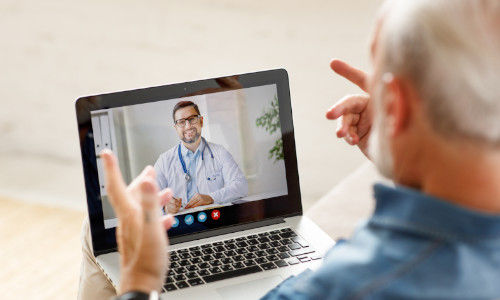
{"x": 55, "y": 51}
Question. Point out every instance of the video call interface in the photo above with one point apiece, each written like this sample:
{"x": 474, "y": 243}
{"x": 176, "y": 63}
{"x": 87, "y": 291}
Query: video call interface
{"x": 215, "y": 151}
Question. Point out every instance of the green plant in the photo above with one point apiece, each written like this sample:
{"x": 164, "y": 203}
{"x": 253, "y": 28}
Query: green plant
{"x": 270, "y": 121}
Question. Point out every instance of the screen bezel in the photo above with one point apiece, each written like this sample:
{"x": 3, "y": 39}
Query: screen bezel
{"x": 104, "y": 240}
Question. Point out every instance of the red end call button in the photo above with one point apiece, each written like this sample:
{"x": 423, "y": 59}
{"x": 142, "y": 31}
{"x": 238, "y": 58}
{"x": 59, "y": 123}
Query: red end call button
{"x": 215, "y": 214}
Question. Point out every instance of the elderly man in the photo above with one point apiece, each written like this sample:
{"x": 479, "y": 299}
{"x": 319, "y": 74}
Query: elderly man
{"x": 430, "y": 121}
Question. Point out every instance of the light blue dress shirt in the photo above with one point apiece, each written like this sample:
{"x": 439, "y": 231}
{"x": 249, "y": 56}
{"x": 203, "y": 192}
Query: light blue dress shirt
{"x": 415, "y": 246}
{"x": 191, "y": 159}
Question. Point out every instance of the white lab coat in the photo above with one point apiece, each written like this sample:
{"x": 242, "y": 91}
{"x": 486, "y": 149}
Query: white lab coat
{"x": 219, "y": 177}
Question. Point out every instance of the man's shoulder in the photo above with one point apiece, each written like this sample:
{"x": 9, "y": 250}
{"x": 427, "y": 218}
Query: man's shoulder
{"x": 167, "y": 155}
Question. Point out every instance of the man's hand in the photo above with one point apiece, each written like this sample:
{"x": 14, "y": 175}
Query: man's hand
{"x": 142, "y": 241}
{"x": 355, "y": 111}
{"x": 198, "y": 200}
{"x": 173, "y": 206}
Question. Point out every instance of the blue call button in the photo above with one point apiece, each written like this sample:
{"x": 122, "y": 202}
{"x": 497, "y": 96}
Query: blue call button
{"x": 188, "y": 219}
{"x": 202, "y": 217}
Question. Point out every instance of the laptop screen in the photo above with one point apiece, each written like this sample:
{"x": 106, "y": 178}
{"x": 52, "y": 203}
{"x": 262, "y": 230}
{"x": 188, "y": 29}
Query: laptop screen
{"x": 225, "y": 150}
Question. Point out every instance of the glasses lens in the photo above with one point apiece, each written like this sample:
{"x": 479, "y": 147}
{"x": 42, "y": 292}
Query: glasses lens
{"x": 192, "y": 120}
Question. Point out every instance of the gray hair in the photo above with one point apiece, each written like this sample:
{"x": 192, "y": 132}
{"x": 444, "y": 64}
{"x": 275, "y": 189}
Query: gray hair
{"x": 450, "y": 51}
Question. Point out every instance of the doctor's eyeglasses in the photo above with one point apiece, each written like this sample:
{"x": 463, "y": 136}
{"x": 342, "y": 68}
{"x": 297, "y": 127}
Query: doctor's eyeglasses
{"x": 192, "y": 121}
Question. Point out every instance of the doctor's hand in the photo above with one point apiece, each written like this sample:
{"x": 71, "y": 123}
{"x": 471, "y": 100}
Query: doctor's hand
{"x": 354, "y": 111}
{"x": 174, "y": 205}
{"x": 198, "y": 200}
{"x": 142, "y": 241}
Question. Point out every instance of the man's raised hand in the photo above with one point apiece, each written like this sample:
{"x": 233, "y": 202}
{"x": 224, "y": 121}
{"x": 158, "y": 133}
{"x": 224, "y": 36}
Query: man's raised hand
{"x": 354, "y": 111}
{"x": 140, "y": 234}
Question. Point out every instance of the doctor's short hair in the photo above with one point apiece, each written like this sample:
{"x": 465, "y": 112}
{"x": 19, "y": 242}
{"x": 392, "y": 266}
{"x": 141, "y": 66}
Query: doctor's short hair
{"x": 183, "y": 104}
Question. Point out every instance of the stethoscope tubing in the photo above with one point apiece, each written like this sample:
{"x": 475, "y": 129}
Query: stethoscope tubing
{"x": 184, "y": 168}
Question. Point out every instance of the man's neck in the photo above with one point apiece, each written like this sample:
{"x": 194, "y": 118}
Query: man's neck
{"x": 467, "y": 176}
{"x": 193, "y": 146}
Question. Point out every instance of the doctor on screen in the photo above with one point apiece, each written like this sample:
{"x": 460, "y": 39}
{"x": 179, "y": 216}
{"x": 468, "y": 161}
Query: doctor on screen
{"x": 197, "y": 171}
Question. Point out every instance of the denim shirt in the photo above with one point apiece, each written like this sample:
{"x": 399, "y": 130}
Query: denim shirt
{"x": 415, "y": 246}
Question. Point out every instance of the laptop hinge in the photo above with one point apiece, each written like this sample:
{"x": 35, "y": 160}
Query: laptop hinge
{"x": 225, "y": 230}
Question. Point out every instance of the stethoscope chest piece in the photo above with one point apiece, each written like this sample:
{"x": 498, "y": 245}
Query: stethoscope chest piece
{"x": 187, "y": 177}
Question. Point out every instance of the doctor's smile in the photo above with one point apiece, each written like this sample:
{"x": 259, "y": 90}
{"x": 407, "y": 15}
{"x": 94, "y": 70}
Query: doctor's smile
{"x": 197, "y": 171}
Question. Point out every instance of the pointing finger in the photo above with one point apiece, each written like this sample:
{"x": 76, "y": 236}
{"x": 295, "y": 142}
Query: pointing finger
{"x": 350, "y": 73}
{"x": 349, "y": 104}
{"x": 115, "y": 186}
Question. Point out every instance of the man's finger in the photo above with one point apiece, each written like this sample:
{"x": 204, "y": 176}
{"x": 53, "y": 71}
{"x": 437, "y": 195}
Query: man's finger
{"x": 192, "y": 202}
{"x": 347, "y": 121}
{"x": 150, "y": 201}
{"x": 167, "y": 221}
{"x": 115, "y": 185}
{"x": 354, "y": 104}
{"x": 350, "y": 73}
{"x": 165, "y": 196}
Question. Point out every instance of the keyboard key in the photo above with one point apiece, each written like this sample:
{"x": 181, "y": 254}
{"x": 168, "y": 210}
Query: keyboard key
{"x": 263, "y": 234}
{"x": 169, "y": 287}
{"x": 179, "y": 277}
{"x": 271, "y": 251}
{"x": 207, "y": 258}
{"x": 294, "y": 246}
{"x": 215, "y": 270}
{"x": 219, "y": 248}
{"x": 195, "y": 260}
{"x": 241, "y": 239}
{"x": 249, "y": 263}
{"x": 272, "y": 258}
{"x": 252, "y": 241}
{"x": 206, "y": 246}
{"x": 254, "y": 248}
{"x": 226, "y": 261}
{"x": 173, "y": 265}
{"x": 268, "y": 266}
{"x": 182, "y": 251}
{"x": 282, "y": 249}
{"x": 292, "y": 261}
{"x": 218, "y": 243}
{"x": 203, "y": 272}
{"x": 275, "y": 244}
{"x": 226, "y": 268}
{"x": 239, "y": 258}
{"x": 253, "y": 236}
{"x": 286, "y": 235}
{"x": 185, "y": 255}
{"x": 260, "y": 253}
{"x": 215, "y": 263}
{"x": 170, "y": 279}
{"x": 231, "y": 246}
{"x": 231, "y": 274}
{"x": 301, "y": 251}
{"x": 174, "y": 258}
{"x": 180, "y": 270}
{"x": 263, "y": 246}
{"x": 300, "y": 241}
{"x": 182, "y": 284}
{"x": 191, "y": 275}
{"x": 192, "y": 268}
{"x": 286, "y": 229}
{"x": 275, "y": 231}
{"x": 241, "y": 251}
{"x": 195, "y": 248}
{"x": 195, "y": 281}
{"x": 218, "y": 255}
{"x": 241, "y": 244}
{"x": 315, "y": 256}
{"x": 203, "y": 265}
{"x": 274, "y": 237}
{"x": 260, "y": 260}
{"x": 196, "y": 253}
{"x": 281, "y": 263}
{"x": 249, "y": 256}
{"x": 283, "y": 255}
{"x": 230, "y": 253}
{"x": 238, "y": 265}
{"x": 184, "y": 262}
{"x": 207, "y": 251}
{"x": 304, "y": 259}
{"x": 263, "y": 240}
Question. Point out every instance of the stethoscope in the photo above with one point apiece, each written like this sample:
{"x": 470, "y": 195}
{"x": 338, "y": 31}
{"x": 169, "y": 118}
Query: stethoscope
{"x": 184, "y": 168}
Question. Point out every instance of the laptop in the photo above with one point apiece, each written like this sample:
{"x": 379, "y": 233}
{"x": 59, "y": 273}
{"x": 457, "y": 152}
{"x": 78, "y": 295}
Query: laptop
{"x": 253, "y": 235}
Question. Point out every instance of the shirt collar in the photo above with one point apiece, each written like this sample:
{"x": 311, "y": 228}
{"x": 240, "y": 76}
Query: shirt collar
{"x": 185, "y": 150}
{"x": 412, "y": 210}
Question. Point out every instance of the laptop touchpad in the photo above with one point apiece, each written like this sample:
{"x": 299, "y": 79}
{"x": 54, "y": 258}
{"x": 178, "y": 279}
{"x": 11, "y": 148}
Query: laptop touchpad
{"x": 251, "y": 289}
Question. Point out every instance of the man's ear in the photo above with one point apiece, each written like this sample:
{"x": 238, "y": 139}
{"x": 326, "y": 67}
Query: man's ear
{"x": 398, "y": 109}
{"x": 201, "y": 121}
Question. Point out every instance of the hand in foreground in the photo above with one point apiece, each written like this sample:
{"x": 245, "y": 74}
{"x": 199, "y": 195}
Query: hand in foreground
{"x": 142, "y": 241}
{"x": 198, "y": 200}
{"x": 173, "y": 206}
{"x": 355, "y": 111}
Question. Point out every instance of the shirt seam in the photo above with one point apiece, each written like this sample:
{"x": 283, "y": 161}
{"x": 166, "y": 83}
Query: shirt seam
{"x": 397, "y": 272}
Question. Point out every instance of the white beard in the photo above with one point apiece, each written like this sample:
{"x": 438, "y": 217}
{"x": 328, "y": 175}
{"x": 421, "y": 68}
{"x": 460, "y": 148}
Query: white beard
{"x": 379, "y": 144}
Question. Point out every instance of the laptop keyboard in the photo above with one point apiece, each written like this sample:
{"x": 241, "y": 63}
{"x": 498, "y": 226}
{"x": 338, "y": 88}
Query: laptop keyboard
{"x": 236, "y": 257}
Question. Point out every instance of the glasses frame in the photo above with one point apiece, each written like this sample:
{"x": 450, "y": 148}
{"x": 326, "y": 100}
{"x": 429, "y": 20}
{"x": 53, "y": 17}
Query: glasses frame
{"x": 194, "y": 120}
